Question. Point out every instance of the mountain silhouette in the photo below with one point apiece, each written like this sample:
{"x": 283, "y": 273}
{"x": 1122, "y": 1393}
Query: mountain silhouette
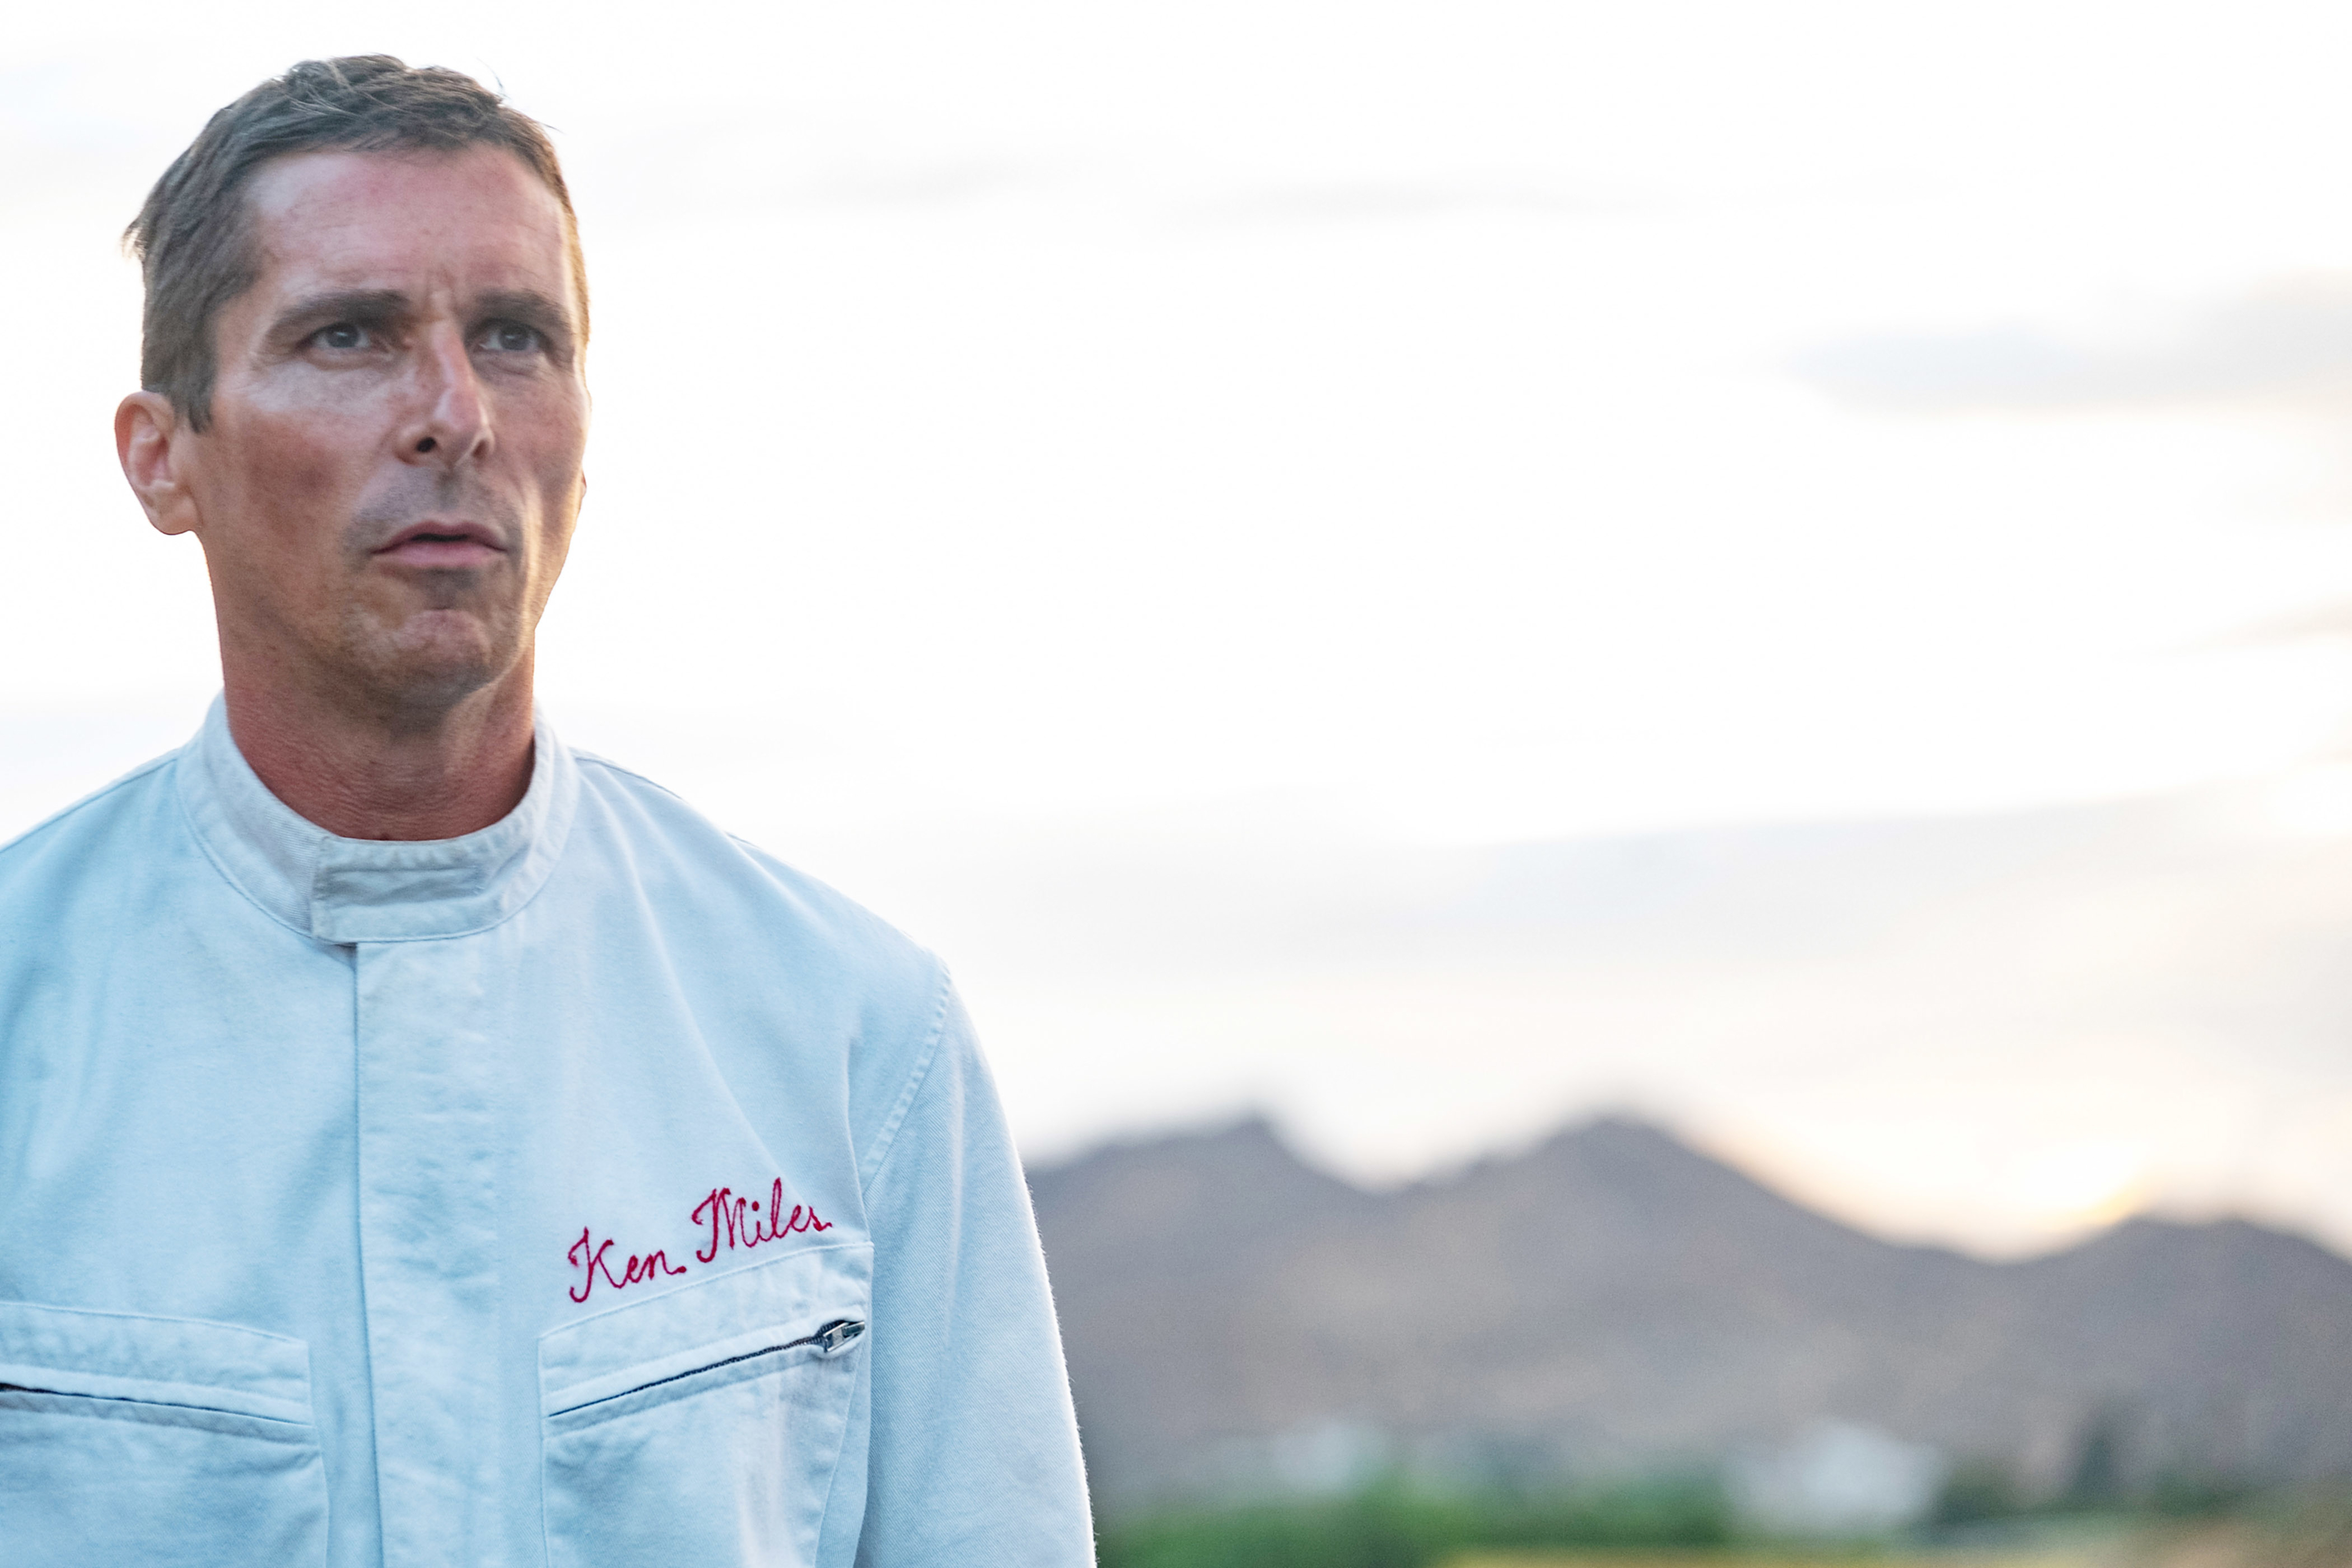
{"x": 1612, "y": 1302}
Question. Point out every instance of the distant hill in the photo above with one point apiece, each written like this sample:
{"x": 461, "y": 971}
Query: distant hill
{"x": 1612, "y": 1302}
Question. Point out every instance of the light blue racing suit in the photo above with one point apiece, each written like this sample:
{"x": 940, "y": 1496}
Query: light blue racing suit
{"x": 591, "y": 1189}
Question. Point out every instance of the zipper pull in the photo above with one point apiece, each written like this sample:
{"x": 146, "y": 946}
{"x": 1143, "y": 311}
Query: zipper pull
{"x": 837, "y": 1333}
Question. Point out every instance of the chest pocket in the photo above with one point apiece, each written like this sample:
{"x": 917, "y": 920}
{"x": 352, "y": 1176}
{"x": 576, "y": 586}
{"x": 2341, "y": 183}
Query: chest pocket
{"x": 159, "y": 1441}
{"x": 704, "y": 1426}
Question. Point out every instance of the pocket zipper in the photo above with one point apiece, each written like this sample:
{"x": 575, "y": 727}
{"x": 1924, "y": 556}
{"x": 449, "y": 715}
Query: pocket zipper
{"x": 834, "y": 1336}
{"x": 828, "y": 1339}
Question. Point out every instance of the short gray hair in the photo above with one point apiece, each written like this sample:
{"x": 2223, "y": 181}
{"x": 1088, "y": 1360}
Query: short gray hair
{"x": 193, "y": 236}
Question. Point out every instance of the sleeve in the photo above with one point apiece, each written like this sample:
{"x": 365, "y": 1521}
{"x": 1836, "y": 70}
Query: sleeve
{"x": 973, "y": 1457}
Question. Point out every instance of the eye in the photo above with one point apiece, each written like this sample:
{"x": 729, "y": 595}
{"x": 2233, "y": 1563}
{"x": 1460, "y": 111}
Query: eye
{"x": 511, "y": 337}
{"x": 343, "y": 335}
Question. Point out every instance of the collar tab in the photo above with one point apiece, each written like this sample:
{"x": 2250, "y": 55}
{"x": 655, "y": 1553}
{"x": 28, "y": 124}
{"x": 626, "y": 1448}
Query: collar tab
{"x": 369, "y": 890}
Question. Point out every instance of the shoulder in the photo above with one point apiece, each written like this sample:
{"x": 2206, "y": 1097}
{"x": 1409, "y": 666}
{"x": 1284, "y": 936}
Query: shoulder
{"x": 773, "y": 938}
{"x": 678, "y": 849}
{"x": 67, "y": 846}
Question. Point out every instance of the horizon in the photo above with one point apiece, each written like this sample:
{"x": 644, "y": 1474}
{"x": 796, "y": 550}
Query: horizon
{"x": 1115, "y": 1144}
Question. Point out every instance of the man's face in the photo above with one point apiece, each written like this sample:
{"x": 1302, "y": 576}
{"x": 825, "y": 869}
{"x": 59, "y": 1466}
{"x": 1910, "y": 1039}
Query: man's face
{"x": 388, "y": 485}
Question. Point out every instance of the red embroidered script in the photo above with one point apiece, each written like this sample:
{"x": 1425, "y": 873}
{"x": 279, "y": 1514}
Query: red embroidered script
{"x": 592, "y": 1261}
{"x": 744, "y": 1225}
{"x": 734, "y": 1222}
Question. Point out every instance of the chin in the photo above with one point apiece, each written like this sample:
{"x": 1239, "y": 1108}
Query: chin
{"x": 428, "y": 674}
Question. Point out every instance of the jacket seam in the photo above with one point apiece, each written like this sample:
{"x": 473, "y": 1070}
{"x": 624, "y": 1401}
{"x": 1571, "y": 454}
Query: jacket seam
{"x": 608, "y": 765}
{"x": 887, "y": 1140}
{"x": 92, "y": 799}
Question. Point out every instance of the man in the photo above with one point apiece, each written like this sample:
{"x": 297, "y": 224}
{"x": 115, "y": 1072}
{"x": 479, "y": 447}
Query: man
{"x": 421, "y": 1143}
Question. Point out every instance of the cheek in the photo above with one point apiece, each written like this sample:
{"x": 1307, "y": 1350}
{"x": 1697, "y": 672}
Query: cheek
{"x": 291, "y": 475}
{"x": 555, "y": 428}
{"x": 550, "y": 450}
{"x": 278, "y": 507}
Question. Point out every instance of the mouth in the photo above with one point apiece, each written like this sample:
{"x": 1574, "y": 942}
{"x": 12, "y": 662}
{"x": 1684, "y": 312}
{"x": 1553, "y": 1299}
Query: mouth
{"x": 441, "y": 544}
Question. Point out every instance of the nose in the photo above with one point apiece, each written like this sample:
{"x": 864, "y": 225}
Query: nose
{"x": 449, "y": 422}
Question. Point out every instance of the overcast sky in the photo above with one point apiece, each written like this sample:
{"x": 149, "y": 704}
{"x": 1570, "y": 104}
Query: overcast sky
{"x": 1286, "y": 453}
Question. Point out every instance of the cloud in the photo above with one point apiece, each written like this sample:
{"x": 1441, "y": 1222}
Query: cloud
{"x": 2332, "y": 618}
{"x": 934, "y": 185}
{"x": 1376, "y": 201}
{"x": 2290, "y": 341}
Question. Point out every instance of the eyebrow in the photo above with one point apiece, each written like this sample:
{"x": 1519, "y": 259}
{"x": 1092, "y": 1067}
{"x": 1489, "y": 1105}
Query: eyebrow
{"x": 548, "y": 316}
{"x": 363, "y": 306}
{"x": 524, "y": 305}
{"x": 376, "y": 307}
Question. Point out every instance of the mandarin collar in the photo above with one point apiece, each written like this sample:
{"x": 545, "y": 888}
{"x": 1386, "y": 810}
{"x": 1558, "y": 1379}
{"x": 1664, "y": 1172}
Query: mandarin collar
{"x": 373, "y": 890}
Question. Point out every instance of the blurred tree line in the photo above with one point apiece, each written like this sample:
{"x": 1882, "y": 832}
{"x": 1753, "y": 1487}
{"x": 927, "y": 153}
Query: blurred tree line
{"x": 1390, "y": 1525}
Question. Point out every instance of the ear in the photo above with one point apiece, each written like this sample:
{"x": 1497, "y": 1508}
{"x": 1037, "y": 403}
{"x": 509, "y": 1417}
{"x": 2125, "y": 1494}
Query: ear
{"x": 151, "y": 439}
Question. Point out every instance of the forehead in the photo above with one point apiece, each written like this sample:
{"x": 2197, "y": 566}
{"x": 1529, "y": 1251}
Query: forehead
{"x": 474, "y": 218}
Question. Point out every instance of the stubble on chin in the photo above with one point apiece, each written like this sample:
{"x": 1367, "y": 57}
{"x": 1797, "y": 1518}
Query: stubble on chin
{"x": 409, "y": 671}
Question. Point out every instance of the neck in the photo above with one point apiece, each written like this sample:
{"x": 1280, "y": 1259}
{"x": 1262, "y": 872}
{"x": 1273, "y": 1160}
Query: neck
{"x": 363, "y": 775}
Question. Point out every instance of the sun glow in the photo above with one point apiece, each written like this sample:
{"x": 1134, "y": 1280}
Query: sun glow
{"x": 2078, "y": 1187}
